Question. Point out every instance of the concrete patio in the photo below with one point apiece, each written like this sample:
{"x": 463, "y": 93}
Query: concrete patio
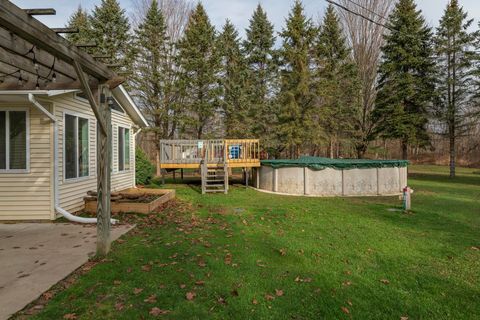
{"x": 35, "y": 256}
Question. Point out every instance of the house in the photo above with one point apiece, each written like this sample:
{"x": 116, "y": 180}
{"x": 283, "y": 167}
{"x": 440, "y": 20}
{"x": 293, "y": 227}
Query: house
{"x": 48, "y": 150}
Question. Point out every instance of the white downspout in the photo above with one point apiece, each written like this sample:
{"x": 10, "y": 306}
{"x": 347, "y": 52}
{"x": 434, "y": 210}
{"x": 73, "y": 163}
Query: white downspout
{"x": 56, "y": 197}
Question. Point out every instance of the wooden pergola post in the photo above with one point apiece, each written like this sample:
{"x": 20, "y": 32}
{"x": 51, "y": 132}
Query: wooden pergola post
{"x": 104, "y": 156}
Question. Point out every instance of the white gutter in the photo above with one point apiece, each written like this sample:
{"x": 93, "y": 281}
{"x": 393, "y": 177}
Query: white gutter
{"x": 60, "y": 210}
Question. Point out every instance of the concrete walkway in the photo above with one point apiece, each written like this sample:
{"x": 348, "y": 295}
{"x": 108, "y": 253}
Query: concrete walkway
{"x": 35, "y": 256}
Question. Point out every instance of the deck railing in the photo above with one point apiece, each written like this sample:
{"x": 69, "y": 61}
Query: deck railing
{"x": 234, "y": 151}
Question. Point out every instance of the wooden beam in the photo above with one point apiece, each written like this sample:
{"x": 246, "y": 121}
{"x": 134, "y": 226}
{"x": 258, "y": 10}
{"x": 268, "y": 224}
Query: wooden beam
{"x": 65, "y": 30}
{"x": 40, "y": 12}
{"x": 26, "y": 64}
{"x": 115, "y": 82}
{"x": 30, "y": 29}
{"x": 88, "y": 92}
{"x": 104, "y": 154}
{"x": 19, "y": 46}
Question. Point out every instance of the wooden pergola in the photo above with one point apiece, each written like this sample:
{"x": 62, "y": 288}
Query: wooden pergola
{"x": 33, "y": 56}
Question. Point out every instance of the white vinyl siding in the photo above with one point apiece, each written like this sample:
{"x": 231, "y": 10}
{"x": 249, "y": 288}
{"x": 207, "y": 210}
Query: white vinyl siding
{"x": 28, "y": 195}
{"x": 72, "y": 192}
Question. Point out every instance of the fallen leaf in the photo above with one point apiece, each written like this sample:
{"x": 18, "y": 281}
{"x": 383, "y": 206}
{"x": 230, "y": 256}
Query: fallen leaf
{"x": 47, "y": 295}
{"x": 157, "y": 311}
{"x": 234, "y": 293}
{"x": 119, "y": 306}
{"x": 221, "y": 300}
{"x": 117, "y": 282}
{"x": 254, "y": 301}
{"x": 347, "y": 283}
{"x": 475, "y": 248}
{"x": 151, "y": 299}
{"x": 345, "y": 310}
{"x": 201, "y": 263}
{"x": 228, "y": 258}
{"x": 278, "y": 293}
{"x": 182, "y": 286}
{"x": 283, "y": 252}
{"x": 190, "y": 295}
{"x": 200, "y": 283}
{"x": 384, "y": 281}
{"x": 269, "y": 297}
{"x": 137, "y": 290}
{"x": 147, "y": 268}
{"x": 70, "y": 316}
{"x": 404, "y": 318}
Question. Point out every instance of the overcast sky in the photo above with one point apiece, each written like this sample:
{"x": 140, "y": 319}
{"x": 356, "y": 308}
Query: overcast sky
{"x": 239, "y": 11}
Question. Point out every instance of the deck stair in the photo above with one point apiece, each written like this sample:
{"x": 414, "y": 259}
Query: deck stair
{"x": 214, "y": 179}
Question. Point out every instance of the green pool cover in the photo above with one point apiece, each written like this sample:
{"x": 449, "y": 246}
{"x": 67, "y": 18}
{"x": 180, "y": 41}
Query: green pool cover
{"x": 317, "y": 163}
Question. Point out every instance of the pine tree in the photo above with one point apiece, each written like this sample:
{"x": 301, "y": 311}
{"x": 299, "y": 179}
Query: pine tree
{"x": 152, "y": 72}
{"x": 80, "y": 19}
{"x": 262, "y": 78}
{"x": 406, "y": 78}
{"x": 233, "y": 83}
{"x": 337, "y": 83}
{"x": 296, "y": 96}
{"x": 111, "y": 32}
{"x": 453, "y": 45}
{"x": 199, "y": 64}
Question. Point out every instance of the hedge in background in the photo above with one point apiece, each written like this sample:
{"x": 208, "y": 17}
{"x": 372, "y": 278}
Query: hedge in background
{"x": 144, "y": 169}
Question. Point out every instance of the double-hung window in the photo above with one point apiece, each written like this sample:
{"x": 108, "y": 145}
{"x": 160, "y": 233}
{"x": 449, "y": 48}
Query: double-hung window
{"x": 76, "y": 151}
{"x": 123, "y": 141}
{"x": 13, "y": 140}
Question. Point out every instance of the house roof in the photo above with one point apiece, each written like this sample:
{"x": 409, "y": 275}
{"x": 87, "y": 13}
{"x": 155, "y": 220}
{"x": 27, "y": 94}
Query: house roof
{"x": 119, "y": 93}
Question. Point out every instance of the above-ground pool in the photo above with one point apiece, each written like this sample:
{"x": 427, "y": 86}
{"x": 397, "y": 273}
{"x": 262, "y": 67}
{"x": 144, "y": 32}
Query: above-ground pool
{"x": 313, "y": 176}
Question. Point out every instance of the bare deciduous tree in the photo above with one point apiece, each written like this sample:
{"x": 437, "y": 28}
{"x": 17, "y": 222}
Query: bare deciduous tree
{"x": 175, "y": 12}
{"x": 366, "y": 41}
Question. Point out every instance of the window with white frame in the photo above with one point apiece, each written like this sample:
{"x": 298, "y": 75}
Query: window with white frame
{"x": 76, "y": 150}
{"x": 13, "y": 140}
{"x": 123, "y": 144}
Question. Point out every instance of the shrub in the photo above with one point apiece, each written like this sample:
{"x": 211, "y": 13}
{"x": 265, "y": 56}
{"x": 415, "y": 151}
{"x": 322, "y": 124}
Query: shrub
{"x": 144, "y": 169}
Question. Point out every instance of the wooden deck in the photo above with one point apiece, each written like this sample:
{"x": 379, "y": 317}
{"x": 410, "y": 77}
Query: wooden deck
{"x": 190, "y": 154}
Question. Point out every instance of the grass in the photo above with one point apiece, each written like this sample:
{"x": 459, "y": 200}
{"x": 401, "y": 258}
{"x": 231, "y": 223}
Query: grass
{"x": 251, "y": 255}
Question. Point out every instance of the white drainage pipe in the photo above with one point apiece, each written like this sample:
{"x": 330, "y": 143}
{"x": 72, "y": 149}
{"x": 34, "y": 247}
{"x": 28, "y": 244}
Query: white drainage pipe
{"x": 60, "y": 210}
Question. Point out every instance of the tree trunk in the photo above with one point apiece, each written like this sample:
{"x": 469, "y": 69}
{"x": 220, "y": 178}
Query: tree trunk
{"x": 404, "y": 150}
{"x": 453, "y": 154}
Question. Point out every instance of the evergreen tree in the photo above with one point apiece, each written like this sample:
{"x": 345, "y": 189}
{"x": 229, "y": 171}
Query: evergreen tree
{"x": 233, "y": 83}
{"x": 337, "y": 83}
{"x": 406, "y": 78}
{"x": 152, "y": 73}
{"x": 453, "y": 45}
{"x": 111, "y": 32}
{"x": 296, "y": 96}
{"x": 199, "y": 64}
{"x": 262, "y": 78}
{"x": 79, "y": 19}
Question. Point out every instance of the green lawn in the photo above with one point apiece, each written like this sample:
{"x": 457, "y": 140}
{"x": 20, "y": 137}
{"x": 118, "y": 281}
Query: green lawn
{"x": 251, "y": 255}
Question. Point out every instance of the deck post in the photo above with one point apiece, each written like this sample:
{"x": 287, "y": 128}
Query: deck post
{"x": 246, "y": 177}
{"x": 181, "y": 173}
{"x": 104, "y": 153}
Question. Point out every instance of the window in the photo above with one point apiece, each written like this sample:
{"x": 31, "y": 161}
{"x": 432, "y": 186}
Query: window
{"x": 13, "y": 140}
{"x": 123, "y": 142}
{"x": 76, "y": 151}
